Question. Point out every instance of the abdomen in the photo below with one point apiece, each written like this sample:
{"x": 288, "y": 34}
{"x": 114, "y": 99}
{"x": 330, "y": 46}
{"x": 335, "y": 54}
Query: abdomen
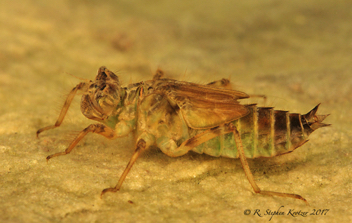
{"x": 265, "y": 132}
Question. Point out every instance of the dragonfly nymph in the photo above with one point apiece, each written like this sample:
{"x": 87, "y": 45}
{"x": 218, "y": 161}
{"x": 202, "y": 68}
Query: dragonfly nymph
{"x": 179, "y": 117}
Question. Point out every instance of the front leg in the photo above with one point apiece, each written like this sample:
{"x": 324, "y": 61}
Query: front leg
{"x": 71, "y": 95}
{"x": 95, "y": 128}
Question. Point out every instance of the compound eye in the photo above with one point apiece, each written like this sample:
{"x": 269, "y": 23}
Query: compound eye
{"x": 102, "y": 87}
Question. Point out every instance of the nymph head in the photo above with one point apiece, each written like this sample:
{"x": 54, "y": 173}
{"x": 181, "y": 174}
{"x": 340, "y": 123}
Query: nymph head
{"x": 102, "y": 97}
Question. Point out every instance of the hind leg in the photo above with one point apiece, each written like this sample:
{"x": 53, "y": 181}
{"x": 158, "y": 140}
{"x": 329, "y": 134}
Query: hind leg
{"x": 223, "y": 83}
{"x": 170, "y": 148}
{"x": 250, "y": 175}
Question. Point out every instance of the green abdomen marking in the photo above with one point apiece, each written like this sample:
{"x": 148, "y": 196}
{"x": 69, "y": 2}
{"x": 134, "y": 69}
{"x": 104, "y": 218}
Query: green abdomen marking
{"x": 265, "y": 132}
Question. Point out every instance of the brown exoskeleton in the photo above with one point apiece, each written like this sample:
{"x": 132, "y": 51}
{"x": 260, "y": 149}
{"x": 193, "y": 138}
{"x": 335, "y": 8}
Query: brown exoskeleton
{"x": 179, "y": 116}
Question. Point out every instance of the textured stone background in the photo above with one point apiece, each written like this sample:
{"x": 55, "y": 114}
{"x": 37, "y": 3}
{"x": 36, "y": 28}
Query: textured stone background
{"x": 298, "y": 53}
